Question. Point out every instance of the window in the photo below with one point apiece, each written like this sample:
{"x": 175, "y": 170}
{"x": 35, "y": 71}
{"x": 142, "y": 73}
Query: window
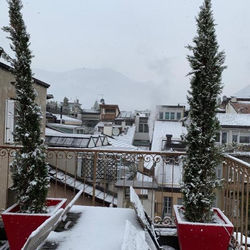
{"x": 161, "y": 115}
{"x": 178, "y": 116}
{"x": 172, "y": 116}
{"x": 166, "y": 115}
{"x": 146, "y": 128}
{"x": 143, "y": 120}
{"x": 110, "y": 111}
{"x": 179, "y": 201}
{"x": 224, "y": 138}
{"x": 143, "y": 128}
{"x": 244, "y": 139}
{"x": 235, "y": 138}
{"x": 217, "y": 138}
{"x": 79, "y": 131}
{"x": 143, "y": 125}
{"x": 167, "y": 210}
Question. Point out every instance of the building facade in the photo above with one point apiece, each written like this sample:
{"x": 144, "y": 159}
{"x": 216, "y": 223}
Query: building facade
{"x": 108, "y": 112}
{"x": 7, "y": 121}
{"x": 170, "y": 112}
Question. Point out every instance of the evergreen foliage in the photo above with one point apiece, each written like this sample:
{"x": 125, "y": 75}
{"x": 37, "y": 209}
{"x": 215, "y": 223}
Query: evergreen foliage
{"x": 29, "y": 168}
{"x": 202, "y": 154}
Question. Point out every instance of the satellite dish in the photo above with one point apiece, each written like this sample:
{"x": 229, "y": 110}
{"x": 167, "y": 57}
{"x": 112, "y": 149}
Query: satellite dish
{"x": 116, "y": 131}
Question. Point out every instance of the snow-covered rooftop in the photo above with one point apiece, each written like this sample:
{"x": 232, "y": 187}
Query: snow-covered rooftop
{"x": 161, "y": 128}
{"x": 124, "y": 141}
{"x": 59, "y": 125}
{"x": 240, "y": 120}
{"x": 126, "y": 114}
{"x": 119, "y": 145}
{"x": 66, "y": 118}
{"x": 101, "y": 124}
{"x": 52, "y": 132}
{"x": 91, "y": 111}
{"x": 127, "y": 137}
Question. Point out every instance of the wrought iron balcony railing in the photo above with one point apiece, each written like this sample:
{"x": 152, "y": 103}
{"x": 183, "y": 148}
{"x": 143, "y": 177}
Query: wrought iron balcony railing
{"x": 106, "y": 175}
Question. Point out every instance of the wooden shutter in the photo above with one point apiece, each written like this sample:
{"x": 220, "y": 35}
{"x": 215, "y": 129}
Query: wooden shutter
{"x": 9, "y": 120}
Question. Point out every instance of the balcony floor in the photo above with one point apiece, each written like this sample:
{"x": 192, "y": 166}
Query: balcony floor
{"x": 111, "y": 220}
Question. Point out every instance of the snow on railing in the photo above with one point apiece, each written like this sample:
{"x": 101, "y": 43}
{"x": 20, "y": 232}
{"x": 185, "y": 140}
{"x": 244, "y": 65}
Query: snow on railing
{"x": 134, "y": 239}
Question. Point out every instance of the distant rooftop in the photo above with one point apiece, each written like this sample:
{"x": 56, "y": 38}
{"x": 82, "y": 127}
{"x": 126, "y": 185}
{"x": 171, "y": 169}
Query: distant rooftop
{"x": 58, "y": 139}
{"x": 91, "y": 111}
{"x": 171, "y": 106}
{"x": 241, "y": 107}
{"x": 126, "y": 115}
{"x": 66, "y": 118}
{"x": 123, "y": 141}
{"x": 234, "y": 120}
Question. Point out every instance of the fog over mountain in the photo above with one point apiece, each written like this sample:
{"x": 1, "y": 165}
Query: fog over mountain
{"x": 245, "y": 92}
{"x": 89, "y": 85}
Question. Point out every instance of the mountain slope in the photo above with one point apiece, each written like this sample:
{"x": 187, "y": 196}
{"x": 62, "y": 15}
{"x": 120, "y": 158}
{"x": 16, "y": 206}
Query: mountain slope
{"x": 89, "y": 85}
{"x": 245, "y": 92}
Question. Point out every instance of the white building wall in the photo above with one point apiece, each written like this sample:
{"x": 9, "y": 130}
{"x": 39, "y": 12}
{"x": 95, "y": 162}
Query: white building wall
{"x": 231, "y": 132}
{"x": 168, "y": 109}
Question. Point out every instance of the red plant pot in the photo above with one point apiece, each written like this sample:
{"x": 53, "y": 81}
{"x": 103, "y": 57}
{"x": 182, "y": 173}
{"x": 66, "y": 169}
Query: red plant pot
{"x": 205, "y": 236}
{"x": 19, "y": 226}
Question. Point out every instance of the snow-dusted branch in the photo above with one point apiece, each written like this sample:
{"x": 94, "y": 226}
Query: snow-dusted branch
{"x": 5, "y": 56}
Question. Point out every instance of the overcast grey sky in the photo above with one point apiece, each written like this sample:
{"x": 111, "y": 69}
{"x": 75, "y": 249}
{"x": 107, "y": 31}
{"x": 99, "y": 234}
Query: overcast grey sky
{"x": 143, "y": 39}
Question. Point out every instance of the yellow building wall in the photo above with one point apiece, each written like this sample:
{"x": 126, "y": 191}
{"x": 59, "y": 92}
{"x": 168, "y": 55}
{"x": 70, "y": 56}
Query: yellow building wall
{"x": 7, "y": 91}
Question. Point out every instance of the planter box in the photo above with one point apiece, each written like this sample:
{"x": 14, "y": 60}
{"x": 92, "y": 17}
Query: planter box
{"x": 205, "y": 236}
{"x": 19, "y": 226}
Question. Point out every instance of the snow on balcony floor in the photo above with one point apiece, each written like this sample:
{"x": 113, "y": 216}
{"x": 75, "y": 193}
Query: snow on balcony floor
{"x": 97, "y": 228}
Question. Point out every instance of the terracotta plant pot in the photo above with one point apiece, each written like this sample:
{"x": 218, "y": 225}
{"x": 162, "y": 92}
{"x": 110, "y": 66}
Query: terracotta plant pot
{"x": 19, "y": 226}
{"x": 205, "y": 236}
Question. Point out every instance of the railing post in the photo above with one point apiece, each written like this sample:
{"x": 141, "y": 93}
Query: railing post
{"x": 242, "y": 207}
{"x": 222, "y": 196}
{"x": 247, "y": 204}
{"x": 94, "y": 177}
{"x": 8, "y": 172}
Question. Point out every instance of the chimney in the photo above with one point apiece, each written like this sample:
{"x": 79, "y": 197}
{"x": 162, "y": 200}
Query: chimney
{"x": 123, "y": 126}
{"x": 169, "y": 141}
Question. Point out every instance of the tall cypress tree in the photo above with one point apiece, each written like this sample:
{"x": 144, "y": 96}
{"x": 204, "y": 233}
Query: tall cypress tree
{"x": 202, "y": 154}
{"x": 29, "y": 168}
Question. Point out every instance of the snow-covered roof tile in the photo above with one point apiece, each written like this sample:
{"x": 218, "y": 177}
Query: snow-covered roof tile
{"x": 240, "y": 120}
{"x": 67, "y": 118}
{"x": 52, "y": 132}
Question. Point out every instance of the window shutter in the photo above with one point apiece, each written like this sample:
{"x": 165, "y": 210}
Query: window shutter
{"x": 9, "y": 121}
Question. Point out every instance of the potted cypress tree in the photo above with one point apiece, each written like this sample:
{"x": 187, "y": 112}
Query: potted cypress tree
{"x": 29, "y": 167}
{"x": 200, "y": 226}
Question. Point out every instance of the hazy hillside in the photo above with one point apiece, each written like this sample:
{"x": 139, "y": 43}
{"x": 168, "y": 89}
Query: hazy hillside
{"x": 89, "y": 85}
{"x": 245, "y": 92}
